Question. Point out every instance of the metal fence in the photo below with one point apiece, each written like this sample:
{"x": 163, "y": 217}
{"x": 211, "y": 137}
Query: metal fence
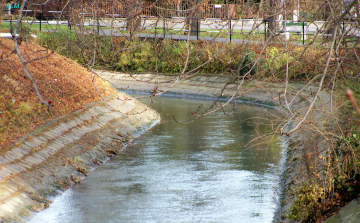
{"x": 302, "y": 33}
{"x": 117, "y": 9}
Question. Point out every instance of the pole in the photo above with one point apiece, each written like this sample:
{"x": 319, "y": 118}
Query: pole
{"x": 197, "y": 29}
{"x": 69, "y": 25}
{"x": 265, "y": 29}
{"x": 41, "y": 15}
{"x": 11, "y": 31}
{"x": 230, "y": 30}
{"x": 298, "y": 10}
{"x": 97, "y": 18}
{"x": 344, "y": 39}
{"x": 98, "y": 25}
{"x": 303, "y": 33}
{"x": 164, "y": 26}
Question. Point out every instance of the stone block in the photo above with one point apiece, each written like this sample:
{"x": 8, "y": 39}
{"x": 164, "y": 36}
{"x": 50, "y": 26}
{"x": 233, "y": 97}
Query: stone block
{"x": 4, "y": 174}
{"x": 49, "y": 135}
{"x": 15, "y": 153}
{"x": 39, "y": 157}
{"x": 26, "y": 147}
{"x": 30, "y": 160}
{"x": 30, "y": 144}
{"x": 333, "y": 219}
{"x": 37, "y": 142}
{"x": 93, "y": 112}
{"x": 195, "y": 78}
{"x": 43, "y": 139}
{"x": 3, "y": 160}
{"x": 204, "y": 79}
{"x": 350, "y": 213}
{"x": 58, "y": 130}
{"x": 212, "y": 79}
{"x": 16, "y": 168}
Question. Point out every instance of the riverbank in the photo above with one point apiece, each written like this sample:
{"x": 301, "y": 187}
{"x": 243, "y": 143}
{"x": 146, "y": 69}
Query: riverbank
{"x": 307, "y": 151}
{"x": 44, "y": 150}
{"x": 60, "y": 154}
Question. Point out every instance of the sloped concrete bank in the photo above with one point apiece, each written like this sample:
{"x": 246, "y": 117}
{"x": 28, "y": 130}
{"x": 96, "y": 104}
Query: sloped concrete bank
{"x": 305, "y": 148}
{"x": 61, "y": 153}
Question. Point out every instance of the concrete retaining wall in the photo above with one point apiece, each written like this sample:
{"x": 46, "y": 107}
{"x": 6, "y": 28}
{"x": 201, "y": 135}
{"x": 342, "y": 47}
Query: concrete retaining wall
{"x": 61, "y": 153}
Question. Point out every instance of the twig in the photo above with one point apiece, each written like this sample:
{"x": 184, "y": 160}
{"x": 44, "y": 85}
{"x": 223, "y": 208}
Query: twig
{"x": 349, "y": 94}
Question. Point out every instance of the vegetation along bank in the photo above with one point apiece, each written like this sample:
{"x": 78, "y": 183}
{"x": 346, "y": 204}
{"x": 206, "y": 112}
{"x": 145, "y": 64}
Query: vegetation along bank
{"x": 324, "y": 148}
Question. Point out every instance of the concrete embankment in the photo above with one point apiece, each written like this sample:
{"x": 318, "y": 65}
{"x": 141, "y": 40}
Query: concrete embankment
{"x": 305, "y": 148}
{"x": 61, "y": 153}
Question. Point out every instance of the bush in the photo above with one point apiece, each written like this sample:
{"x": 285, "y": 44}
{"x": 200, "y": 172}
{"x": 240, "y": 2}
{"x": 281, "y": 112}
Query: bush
{"x": 168, "y": 56}
{"x": 23, "y": 30}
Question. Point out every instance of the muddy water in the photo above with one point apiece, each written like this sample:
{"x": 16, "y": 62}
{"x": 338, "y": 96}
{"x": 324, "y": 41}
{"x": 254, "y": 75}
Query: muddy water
{"x": 182, "y": 173}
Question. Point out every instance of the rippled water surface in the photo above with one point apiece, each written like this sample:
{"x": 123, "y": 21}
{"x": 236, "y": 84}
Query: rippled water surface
{"x": 182, "y": 173}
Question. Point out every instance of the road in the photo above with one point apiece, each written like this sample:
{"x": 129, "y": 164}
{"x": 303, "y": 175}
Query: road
{"x": 215, "y": 24}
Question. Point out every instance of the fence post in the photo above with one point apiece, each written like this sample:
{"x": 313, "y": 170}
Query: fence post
{"x": 197, "y": 29}
{"x": 265, "y": 29}
{"x": 344, "y": 39}
{"x": 98, "y": 25}
{"x": 230, "y": 30}
{"x": 303, "y": 33}
{"x": 42, "y": 8}
{"x": 11, "y": 31}
{"x": 164, "y": 25}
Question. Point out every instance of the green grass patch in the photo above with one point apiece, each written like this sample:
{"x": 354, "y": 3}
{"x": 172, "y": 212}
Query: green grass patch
{"x": 35, "y": 26}
{"x": 235, "y": 34}
{"x": 294, "y": 24}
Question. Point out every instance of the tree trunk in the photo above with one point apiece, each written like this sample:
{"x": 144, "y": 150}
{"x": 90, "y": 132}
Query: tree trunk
{"x": 193, "y": 24}
{"x": 133, "y": 19}
{"x": 133, "y": 23}
{"x": 274, "y": 12}
{"x": 193, "y": 19}
{"x": 2, "y": 8}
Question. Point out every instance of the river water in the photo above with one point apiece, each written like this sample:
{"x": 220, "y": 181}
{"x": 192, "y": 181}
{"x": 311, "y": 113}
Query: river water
{"x": 198, "y": 172}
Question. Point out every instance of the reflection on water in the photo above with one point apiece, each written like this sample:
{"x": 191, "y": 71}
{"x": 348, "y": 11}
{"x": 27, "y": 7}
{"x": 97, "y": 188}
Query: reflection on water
{"x": 182, "y": 173}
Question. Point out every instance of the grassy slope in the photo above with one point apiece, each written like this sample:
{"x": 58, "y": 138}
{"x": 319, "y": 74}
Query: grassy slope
{"x": 63, "y": 82}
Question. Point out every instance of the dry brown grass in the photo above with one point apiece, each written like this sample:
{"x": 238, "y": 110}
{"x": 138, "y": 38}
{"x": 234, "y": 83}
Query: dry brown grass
{"x": 60, "y": 80}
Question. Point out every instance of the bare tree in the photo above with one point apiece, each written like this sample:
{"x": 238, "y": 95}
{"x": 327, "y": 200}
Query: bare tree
{"x": 193, "y": 19}
{"x": 133, "y": 12}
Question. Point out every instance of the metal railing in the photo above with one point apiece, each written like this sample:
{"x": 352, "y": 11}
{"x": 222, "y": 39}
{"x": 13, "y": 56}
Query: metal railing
{"x": 301, "y": 31}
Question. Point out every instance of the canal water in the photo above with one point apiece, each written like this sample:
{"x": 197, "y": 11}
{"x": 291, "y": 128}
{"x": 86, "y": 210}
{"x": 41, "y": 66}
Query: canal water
{"x": 198, "y": 172}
